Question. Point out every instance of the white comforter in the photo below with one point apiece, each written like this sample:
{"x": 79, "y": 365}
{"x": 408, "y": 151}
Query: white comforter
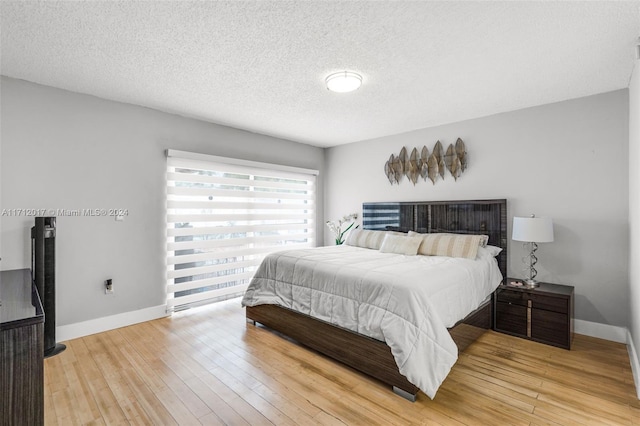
{"x": 406, "y": 301}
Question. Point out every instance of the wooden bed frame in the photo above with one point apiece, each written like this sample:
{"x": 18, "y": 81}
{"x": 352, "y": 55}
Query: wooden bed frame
{"x": 371, "y": 356}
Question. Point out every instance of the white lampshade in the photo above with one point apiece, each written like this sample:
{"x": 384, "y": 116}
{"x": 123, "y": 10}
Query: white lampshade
{"x": 532, "y": 229}
{"x": 343, "y": 81}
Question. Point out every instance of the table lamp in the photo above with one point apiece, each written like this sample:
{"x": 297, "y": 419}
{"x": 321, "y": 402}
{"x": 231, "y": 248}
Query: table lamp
{"x": 532, "y": 230}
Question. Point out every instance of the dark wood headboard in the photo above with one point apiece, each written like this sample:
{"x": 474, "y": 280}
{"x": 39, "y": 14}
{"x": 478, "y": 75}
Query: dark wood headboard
{"x": 487, "y": 217}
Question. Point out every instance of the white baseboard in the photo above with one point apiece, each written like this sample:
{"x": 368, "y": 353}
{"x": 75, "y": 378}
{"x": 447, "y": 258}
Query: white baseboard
{"x": 635, "y": 363}
{"x": 98, "y": 325}
{"x": 601, "y": 331}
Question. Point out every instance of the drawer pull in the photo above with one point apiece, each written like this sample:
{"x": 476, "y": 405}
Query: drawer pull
{"x": 528, "y": 318}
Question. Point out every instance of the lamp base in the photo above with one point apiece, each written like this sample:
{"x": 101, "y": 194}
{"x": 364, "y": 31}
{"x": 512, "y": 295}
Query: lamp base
{"x": 531, "y": 283}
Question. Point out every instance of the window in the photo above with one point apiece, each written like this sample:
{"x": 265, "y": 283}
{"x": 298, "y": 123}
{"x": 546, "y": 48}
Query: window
{"x": 223, "y": 216}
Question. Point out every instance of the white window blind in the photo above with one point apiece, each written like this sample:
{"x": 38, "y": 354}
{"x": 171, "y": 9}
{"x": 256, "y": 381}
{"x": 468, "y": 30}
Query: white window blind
{"x": 224, "y": 215}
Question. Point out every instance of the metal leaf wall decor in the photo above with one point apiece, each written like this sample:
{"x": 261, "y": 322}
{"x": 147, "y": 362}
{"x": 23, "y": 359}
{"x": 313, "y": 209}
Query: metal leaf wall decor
{"x": 424, "y": 157}
{"x": 425, "y": 165}
{"x": 461, "y": 152}
{"x": 432, "y": 166}
{"x": 388, "y": 170}
{"x": 414, "y": 168}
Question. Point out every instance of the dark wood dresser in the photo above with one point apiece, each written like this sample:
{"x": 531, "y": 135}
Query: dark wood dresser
{"x": 21, "y": 350}
{"x": 543, "y": 314}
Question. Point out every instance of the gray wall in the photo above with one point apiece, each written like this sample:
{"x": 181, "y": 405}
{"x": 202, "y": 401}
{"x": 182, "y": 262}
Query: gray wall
{"x": 634, "y": 212}
{"x": 565, "y": 160}
{"x": 71, "y": 151}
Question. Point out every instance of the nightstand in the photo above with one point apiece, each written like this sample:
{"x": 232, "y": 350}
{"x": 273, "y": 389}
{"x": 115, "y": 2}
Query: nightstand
{"x": 543, "y": 314}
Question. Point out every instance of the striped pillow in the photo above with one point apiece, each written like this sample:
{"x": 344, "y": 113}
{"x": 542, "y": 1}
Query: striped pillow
{"x": 451, "y": 245}
{"x": 367, "y": 238}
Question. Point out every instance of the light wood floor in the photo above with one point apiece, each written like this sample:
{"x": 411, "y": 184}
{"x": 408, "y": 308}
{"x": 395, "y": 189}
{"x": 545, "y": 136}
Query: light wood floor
{"x": 208, "y": 366}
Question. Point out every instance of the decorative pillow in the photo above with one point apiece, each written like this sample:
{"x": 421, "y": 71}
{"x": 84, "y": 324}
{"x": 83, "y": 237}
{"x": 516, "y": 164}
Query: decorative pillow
{"x": 451, "y": 245}
{"x": 400, "y": 244}
{"x": 365, "y": 238}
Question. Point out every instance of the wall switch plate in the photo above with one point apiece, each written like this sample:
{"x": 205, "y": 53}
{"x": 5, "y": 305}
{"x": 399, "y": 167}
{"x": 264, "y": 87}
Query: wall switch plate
{"x": 108, "y": 284}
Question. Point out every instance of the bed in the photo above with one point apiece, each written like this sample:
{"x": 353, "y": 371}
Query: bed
{"x": 320, "y": 297}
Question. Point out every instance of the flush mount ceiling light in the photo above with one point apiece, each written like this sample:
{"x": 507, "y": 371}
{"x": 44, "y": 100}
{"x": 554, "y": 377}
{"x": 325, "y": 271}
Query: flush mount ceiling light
{"x": 343, "y": 81}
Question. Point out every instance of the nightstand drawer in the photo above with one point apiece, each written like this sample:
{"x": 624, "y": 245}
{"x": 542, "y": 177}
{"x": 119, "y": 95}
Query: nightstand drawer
{"x": 511, "y": 318}
{"x": 550, "y": 327}
{"x": 553, "y": 304}
{"x": 511, "y": 297}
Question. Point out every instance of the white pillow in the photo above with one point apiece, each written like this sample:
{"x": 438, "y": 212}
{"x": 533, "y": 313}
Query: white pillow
{"x": 400, "y": 244}
{"x": 490, "y": 250}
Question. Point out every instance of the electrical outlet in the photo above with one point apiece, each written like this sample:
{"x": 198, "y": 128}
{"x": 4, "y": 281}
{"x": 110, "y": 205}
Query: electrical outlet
{"x": 108, "y": 284}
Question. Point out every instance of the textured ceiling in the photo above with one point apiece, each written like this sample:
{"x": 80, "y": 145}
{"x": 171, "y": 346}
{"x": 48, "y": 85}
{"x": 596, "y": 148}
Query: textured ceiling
{"x": 260, "y": 66}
